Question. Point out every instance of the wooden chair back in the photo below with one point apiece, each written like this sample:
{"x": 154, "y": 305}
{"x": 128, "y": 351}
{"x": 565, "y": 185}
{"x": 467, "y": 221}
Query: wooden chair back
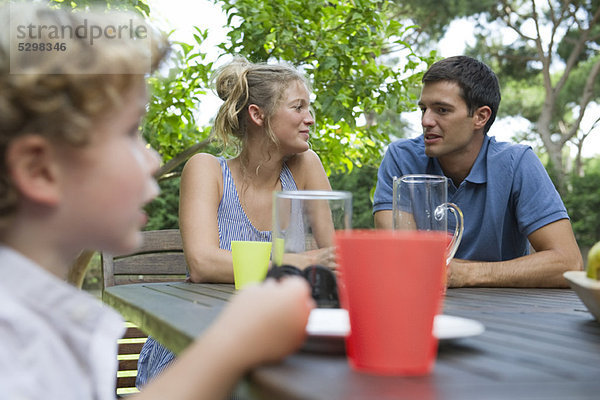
{"x": 159, "y": 259}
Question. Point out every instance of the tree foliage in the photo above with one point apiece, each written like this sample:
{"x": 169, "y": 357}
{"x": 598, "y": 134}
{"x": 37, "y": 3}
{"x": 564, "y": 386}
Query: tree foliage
{"x": 343, "y": 48}
{"x": 433, "y": 17}
{"x": 163, "y": 211}
{"x": 361, "y": 183}
{"x": 550, "y": 72}
{"x": 583, "y": 203}
{"x": 140, "y": 6}
{"x": 349, "y": 50}
{"x": 170, "y": 125}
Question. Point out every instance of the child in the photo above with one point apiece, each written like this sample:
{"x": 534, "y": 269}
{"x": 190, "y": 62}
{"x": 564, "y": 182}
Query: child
{"x": 75, "y": 175}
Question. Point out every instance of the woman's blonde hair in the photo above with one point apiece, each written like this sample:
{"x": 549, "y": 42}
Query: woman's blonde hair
{"x": 241, "y": 83}
{"x": 62, "y": 94}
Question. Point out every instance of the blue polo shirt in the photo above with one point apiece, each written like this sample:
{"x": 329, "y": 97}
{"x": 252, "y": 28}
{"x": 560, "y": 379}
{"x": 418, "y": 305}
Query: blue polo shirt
{"x": 506, "y": 196}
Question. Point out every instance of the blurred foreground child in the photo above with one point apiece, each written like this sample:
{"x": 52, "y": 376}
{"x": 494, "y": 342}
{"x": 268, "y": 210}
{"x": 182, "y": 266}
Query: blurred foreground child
{"x": 76, "y": 174}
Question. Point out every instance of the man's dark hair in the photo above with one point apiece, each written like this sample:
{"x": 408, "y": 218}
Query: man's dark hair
{"x": 478, "y": 83}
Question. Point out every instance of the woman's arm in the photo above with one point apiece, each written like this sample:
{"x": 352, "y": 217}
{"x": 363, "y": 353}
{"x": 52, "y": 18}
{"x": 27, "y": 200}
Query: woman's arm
{"x": 200, "y": 194}
{"x": 309, "y": 174}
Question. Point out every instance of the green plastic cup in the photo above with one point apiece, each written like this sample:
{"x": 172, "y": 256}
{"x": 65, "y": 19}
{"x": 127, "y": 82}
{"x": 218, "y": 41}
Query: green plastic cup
{"x": 250, "y": 261}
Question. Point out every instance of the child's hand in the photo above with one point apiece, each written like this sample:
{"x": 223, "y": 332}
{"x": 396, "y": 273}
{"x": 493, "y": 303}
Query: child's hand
{"x": 266, "y": 322}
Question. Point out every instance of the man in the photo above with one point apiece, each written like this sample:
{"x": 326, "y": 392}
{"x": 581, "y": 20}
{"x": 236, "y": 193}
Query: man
{"x": 505, "y": 193}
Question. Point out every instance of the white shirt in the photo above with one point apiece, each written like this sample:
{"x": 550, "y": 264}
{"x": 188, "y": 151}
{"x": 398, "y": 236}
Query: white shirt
{"x": 56, "y": 342}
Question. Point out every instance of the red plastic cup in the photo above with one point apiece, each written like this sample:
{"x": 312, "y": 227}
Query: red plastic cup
{"x": 390, "y": 285}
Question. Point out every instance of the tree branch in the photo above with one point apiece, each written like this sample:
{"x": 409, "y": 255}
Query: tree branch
{"x": 588, "y": 92}
{"x": 576, "y": 52}
{"x": 545, "y": 58}
{"x": 508, "y": 11}
{"x": 182, "y": 157}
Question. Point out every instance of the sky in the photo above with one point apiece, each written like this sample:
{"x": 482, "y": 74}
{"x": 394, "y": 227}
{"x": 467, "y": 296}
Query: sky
{"x": 181, "y": 15}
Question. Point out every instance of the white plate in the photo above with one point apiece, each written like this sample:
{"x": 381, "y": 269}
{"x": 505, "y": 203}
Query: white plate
{"x": 334, "y": 322}
{"x": 447, "y": 327}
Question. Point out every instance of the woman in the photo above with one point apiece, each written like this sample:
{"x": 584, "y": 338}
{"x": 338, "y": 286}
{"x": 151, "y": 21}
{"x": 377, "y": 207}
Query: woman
{"x": 266, "y": 114}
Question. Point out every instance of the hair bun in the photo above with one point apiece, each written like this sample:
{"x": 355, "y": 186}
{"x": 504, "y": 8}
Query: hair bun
{"x": 228, "y": 77}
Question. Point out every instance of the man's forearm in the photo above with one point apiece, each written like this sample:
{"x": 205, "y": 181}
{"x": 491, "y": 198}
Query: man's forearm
{"x": 383, "y": 219}
{"x": 542, "y": 269}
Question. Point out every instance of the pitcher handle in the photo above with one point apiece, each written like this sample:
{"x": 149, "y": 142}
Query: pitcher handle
{"x": 458, "y": 230}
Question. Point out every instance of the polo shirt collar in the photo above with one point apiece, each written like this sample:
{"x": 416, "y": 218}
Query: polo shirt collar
{"x": 479, "y": 171}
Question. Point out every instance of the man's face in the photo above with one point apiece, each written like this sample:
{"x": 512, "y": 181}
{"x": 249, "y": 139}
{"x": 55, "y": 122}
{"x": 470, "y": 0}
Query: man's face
{"x": 447, "y": 127}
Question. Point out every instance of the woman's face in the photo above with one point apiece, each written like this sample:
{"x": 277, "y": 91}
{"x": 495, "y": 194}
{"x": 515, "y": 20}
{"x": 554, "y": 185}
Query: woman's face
{"x": 292, "y": 120}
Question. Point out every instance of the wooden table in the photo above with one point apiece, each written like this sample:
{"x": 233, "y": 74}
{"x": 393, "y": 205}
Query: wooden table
{"x": 538, "y": 344}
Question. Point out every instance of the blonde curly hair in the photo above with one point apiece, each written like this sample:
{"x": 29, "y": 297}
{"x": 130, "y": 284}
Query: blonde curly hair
{"x": 62, "y": 94}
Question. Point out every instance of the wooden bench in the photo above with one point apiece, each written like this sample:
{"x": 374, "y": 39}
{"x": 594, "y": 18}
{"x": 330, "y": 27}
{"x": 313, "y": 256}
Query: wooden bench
{"x": 160, "y": 259}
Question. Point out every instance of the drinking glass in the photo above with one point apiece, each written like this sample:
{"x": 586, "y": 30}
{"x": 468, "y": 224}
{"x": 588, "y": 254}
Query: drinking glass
{"x": 304, "y": 223}
{"x": 420, "y": 202}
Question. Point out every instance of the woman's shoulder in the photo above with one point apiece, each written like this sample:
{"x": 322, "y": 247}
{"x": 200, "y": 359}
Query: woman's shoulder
{"x": 204, "y": 160}
{"x": 203, "y": 163}
{"x": 202, "y": 173}
{"x": 305, "y": 159}
{"x": 307, "y": 169}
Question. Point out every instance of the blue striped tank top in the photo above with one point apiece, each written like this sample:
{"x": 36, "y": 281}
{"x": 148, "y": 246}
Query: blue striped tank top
{"x": 233, "y": 222}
